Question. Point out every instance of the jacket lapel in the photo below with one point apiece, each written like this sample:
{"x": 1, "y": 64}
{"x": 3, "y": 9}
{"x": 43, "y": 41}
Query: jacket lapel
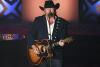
{"x": 45, "y": 29}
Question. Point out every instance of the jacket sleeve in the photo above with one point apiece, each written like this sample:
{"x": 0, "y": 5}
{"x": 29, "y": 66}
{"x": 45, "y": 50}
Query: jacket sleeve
{"x": 32, "y": 34}
{"x": 65, "y": 25}
{"x": 66, "y": 29}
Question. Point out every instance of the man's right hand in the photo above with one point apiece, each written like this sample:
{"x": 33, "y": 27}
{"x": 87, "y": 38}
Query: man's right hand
{"x": 35, "y": 49}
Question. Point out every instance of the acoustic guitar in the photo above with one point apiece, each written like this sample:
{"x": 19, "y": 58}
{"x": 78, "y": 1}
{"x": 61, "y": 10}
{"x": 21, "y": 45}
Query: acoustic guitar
{"x": 45, "y": 50}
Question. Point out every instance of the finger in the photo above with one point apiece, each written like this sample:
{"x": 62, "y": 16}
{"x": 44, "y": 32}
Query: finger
{"x": 36, "y": 51}
{"x": 33, "y": 46}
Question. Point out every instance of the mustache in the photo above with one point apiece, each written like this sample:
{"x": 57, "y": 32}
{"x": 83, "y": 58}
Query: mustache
{"x": 51, "y": 14}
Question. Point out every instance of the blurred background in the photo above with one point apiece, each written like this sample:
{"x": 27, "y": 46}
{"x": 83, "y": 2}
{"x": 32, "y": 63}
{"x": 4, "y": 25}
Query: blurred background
{"x": 16, "y": 17}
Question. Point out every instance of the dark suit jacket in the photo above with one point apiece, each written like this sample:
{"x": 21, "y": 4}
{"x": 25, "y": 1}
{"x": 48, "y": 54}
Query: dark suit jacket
{"x": 39, "y": 32}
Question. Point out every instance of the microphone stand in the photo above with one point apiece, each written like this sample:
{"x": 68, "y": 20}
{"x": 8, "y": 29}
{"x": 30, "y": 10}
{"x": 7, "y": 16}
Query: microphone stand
{"x": 50, "y": 41}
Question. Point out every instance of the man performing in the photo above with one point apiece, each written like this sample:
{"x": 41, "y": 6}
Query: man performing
{"x": 51, "y": 30}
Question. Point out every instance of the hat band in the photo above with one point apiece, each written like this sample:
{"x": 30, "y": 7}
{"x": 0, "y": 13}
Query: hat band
{"x": 49, "y": 6}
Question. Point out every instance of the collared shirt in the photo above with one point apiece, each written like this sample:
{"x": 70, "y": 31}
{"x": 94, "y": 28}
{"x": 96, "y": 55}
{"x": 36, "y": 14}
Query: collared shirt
{"x": 50, "y": 28}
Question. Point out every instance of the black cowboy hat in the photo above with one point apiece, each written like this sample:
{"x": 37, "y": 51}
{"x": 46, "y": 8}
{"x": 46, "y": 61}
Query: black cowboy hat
{"x": 50, "y": 4}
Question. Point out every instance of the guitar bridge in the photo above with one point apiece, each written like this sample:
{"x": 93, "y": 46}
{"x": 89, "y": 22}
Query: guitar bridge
{"x": 43, "y": 54}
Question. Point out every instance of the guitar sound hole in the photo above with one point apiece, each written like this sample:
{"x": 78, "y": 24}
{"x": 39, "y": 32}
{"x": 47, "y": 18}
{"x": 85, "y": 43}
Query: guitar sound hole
{"x": 43, "y": 49}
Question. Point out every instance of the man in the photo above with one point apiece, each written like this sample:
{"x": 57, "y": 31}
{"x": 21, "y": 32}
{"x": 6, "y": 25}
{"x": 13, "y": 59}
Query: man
{"x": 49, "y": 26}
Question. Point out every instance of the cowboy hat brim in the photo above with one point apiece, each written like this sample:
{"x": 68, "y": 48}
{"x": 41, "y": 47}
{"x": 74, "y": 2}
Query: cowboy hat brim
{"x": 56, "y": 6}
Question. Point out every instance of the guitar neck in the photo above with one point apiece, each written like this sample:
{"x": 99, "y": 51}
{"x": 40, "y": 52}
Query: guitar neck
{"x": 66, "y": 40}
{"x": 55, "y": 44}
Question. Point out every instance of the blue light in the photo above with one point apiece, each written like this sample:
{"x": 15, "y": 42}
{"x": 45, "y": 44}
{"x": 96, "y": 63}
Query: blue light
{"x": 10, "y": 8}
{"x": 10, "y": 0}
{"x": 98, "y": 6}
{"x": 1, "y": 8}
{"x": 93, "y": 8}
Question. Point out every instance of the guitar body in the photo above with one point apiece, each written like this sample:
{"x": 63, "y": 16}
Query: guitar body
{"x": 43, "y": 55}
{"x": 34, "y": 58}
{"x": 37, "y": 59}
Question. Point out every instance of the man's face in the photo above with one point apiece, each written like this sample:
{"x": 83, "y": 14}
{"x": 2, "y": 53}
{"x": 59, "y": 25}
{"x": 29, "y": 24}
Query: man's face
{"x": 49, "y": 10}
